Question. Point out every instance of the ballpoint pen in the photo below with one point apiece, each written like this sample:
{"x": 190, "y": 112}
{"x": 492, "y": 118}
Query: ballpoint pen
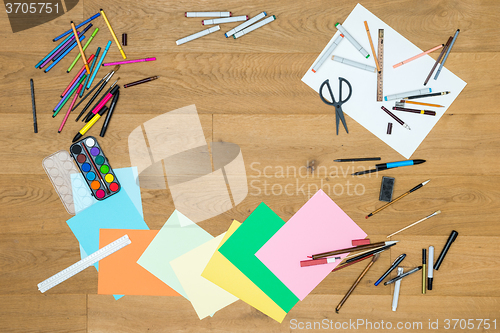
{"x": 393, "y": 266}
{"x": 399, "y": 277}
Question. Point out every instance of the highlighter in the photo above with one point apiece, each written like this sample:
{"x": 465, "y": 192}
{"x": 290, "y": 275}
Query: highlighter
{"x": 89, "y": 124}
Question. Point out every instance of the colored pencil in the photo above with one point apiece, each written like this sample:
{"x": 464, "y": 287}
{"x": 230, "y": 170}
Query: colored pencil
{"x": 418, "y": 56}
{"x": 113, "y": 34}
{"x": 78, "y": 26}
{"x": 371, "y": 45}
{"x": 70, "y": 107}
{"x": 35, "y": 124}
{"x": 420, "y": 103}
{"x": 84, "y": 48}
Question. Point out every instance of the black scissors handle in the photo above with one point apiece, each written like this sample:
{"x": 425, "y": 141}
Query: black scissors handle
{"x": 341, "y": 79}
{"x": 334, "y": 102}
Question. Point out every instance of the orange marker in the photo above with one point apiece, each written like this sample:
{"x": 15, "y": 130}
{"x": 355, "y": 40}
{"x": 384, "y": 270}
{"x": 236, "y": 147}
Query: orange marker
{"x": 80, "y": 47}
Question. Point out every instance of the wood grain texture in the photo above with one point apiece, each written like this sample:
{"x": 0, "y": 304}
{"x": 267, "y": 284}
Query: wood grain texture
{"x": 249, "y": 92}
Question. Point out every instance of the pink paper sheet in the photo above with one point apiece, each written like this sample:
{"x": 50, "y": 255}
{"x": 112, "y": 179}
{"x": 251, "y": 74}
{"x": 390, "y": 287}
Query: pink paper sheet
{"x": 319, "y": 226}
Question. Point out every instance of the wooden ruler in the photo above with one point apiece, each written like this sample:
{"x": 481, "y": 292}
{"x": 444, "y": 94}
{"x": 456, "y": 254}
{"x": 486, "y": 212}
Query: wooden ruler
{"x": 380, "y": 57}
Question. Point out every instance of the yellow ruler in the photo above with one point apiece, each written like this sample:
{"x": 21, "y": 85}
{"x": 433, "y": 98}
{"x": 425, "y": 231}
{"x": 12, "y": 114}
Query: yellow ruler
{"x": 380, "y": 57}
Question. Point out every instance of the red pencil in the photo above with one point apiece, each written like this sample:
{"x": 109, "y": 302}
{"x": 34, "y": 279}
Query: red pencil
{"x": 70, "y": 107}
{"x": 76, "y": 77}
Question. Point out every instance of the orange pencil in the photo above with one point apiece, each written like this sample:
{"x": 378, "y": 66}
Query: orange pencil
{"x": 80, "y": 47}
{"x": 371, "y": 44}
{"x": 418, "y": 55}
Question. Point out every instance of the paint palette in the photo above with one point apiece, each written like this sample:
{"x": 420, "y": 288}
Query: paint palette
{"x": 95, "y": 168}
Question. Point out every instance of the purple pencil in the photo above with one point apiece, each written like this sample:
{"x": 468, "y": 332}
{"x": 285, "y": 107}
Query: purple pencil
{"x": 128, "y": 61}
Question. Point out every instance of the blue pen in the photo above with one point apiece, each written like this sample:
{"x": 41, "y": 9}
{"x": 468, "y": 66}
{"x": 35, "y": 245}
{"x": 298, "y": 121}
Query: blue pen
{"x": 53, "y": 51}
{"x": 390, "y": 165}
{"x": 394, "y": 265}
{"x": 82, "y": 37}
{"x": 91, "y": 70}
{"x": 98, "y": 65}
{"x": 446, "y": 54}
{"x": 78, "y": 26}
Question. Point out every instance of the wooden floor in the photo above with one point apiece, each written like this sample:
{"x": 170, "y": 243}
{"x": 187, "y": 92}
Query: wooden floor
{"x": 248, "y": 91}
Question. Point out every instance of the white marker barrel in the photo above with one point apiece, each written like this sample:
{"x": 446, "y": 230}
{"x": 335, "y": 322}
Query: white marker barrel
{"x": 397, "y": 286}
{"x": 246, "y": 24}
{"x": 207, "y": 14}
{"x": 225, "y": 20}
{"x": 197, "y": 35}
{"x": 408, "y": 93}
{"x": 352, "y": 40}
{"x": 354, "y": 64}
{"x": 325, "y": 55}
{"x": 255, "y": 26}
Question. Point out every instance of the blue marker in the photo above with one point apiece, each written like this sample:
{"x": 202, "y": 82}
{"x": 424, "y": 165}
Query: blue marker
{"x": 78, "y": 26}
{"x": 82, "y": 37}
{"x": 91, "y": 70}
{"x": 98, "y": 65}
{"x": 53, "y": 51}
{"x": 394, "y": 265}
{"x": 385, "y": 166}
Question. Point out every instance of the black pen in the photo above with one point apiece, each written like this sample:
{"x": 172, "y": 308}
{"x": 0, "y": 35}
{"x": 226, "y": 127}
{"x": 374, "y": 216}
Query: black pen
{"x": 393, "y": 266}
{"x": 385, "y": 166}
{"x": 427, "y": 95}
{"x": 450, "y": 240}
{"x": 399, "y": 277}
{"x": 35, "y": 125}
{"x": 110, "y": 112}
{"x": 369, "y": 253}
{"x": 358, "y": 159}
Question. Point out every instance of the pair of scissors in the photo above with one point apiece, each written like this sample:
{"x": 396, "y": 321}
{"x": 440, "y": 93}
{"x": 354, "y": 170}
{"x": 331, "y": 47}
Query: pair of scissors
{"x": 339, "y": 114}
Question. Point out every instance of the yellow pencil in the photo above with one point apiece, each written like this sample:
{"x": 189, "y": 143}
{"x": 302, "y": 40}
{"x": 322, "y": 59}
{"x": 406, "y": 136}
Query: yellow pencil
{"x": 80, "y": 47}
{"x": 113, "y": 34}
{"x": 371, "y": 44}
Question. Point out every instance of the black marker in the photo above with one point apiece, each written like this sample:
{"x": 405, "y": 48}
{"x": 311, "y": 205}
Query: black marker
{"x": 110, "y": 113}
{"x": 450, "y": 240}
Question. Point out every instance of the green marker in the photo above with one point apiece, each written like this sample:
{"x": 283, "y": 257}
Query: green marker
{"x": 352, "y": 40}
{"x": 84, "y": 48}
{"x": 66, "y": 98}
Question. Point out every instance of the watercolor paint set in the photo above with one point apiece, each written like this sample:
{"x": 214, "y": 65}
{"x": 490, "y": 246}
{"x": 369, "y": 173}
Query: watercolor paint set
{"x": 95, "y": 168}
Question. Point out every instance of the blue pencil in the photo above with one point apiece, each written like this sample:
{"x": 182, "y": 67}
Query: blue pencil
{"x": 53, "y": 51}
{"x": 78, "y": 26}
{"x": 446, "y": 54}
{"x": 82, "y": 37}
{"x": 91, "y": 70}
{"x": 98, "y": 65}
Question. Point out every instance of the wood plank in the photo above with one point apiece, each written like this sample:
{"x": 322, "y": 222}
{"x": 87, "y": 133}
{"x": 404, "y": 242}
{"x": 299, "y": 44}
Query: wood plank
{"x": 44, "y": 313}
{"x": 217, "y": 82}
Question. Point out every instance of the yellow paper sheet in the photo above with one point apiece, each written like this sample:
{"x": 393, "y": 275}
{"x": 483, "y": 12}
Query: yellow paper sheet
{"x": 223, "y": 273}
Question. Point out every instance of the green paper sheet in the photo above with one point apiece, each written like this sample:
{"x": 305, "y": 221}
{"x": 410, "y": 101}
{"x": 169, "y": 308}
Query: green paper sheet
{"x": 241, "y": 247}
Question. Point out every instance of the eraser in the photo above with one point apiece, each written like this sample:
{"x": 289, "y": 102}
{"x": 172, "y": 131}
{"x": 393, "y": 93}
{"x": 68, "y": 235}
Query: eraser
{"x": 358, "y": 242}
{"x": 386, "y": 189}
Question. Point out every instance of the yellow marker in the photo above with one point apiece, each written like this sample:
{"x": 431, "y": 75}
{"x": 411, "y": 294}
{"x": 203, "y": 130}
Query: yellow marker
{"x": 80, "y": 47}
{"x": 90, "y": 124}
{"x": 113, "y": 34}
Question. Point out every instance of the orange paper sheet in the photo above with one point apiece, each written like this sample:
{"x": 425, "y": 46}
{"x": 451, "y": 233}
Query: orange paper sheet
{"x": 119, "y": 273}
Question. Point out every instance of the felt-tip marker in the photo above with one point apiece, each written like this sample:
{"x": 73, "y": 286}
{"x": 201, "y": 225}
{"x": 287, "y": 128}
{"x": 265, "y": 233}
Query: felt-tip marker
{"x": 89, "y": 124}
{"x": 430, "y": 269}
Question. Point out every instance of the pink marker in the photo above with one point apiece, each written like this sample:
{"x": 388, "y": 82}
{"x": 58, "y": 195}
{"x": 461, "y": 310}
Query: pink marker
{"x": 102, "y": 103}
{"x": 76, "y": 77}
{"x": 128, "y": 61}
{"x": 70, "y": 107}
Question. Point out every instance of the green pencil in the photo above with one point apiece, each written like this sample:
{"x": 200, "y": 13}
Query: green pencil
{"x": 69, "y": 95}
{"x": 84, "y": 48}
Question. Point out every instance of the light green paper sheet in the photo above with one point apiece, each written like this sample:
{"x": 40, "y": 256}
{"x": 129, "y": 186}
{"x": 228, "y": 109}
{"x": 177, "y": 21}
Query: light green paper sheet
{"x": 178, "y": 235}
{"x": 241, "y": 247}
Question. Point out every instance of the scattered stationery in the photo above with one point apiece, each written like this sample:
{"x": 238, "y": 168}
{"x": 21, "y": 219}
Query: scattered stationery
{"x": 98, "y": 65}
{"x": 254, "y": 26}
{"x": 443, "y": 51}
{"x": 82, "y": 37}
{"x": 313, "y": 229}
{"x": 327, "y": 54}
{"x": 411, "y": 225}
{"x": 110, "y": 113}
{"x": 172, "y": 241}
{"x": 351, "y": 39}
{"x": 207, "y": 14}
{"x": 225, "y": 20}
{"x": 427, "y": 95}
{"x": 361, "y": 108}
{"x": 78, "y": 26}
{"x": 205, "y": 296}
{"x": 96, "y": 30}
{"x": 371, "y": 45}
{"x": 128, "y": 61}
{"x": 197, "y": 35}
{"x": 92, "y": 67}
{"x": 427, "y": 112}
{"x": 245, "y": 24}
{"x": 241, "y": 247}
{"x": 82, "y": 53}
{"x": 398, "y": 198}
{"x": 403, "y": 95}
{"x": 339, "y": 114}
{"x": 148, "y": 79}
{"x": 120, "y": 273}
{"x": 351, "y": 249}
{"x": 402, "y": 103}
{"x": 448, "y": 49}
{"x": 80, "y": 86}
{"x": 445, "y": 249}
{"x": 354, "y": 64}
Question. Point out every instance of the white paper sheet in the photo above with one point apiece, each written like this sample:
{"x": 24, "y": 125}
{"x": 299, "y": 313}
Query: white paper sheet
{"x": 363, "y": 106}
